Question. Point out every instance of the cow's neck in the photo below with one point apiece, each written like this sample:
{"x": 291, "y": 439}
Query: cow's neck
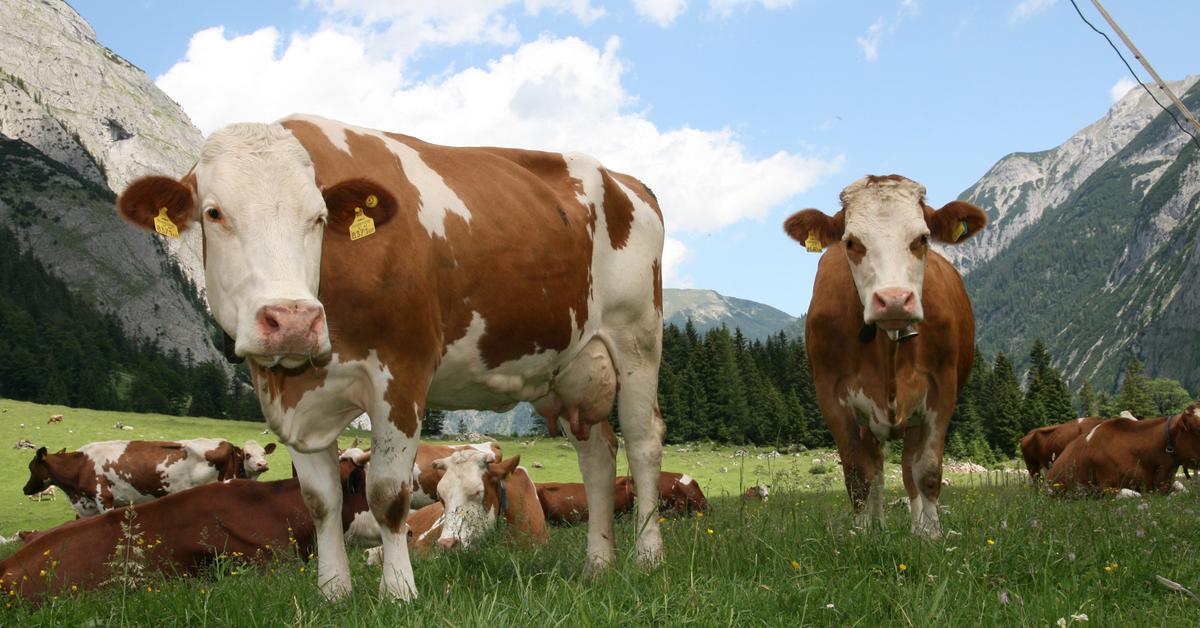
{"x": 67, "y": 471}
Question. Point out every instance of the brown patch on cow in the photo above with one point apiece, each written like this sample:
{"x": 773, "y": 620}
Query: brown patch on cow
{"x": 642, "y": 191}
{"x": 397, "y": 508}
{"x": 227, "y": 459}
{"x": 288, "y": 386}
{"x": 656, "y": 271}
{"x": 137, "y": 465}
{"x": 1041, "y": 445}
{"x": 618, "y": 212}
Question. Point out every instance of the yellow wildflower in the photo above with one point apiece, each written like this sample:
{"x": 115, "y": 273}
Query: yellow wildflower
{"x": 903, "y": 567}
{"x": 796, "y": 565}
{"x": 991, "y": 542}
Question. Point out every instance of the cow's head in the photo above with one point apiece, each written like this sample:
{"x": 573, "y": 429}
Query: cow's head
{"x": 254, "y": 195}
{"x": 39, "y": 473}
{"x": 254, "y": 458}
{"x": 470, "y": 489}
{"x": 886, "y": 227}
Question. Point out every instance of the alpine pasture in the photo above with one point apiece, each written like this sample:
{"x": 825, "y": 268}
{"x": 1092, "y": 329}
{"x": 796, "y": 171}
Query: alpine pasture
{"x": 1010, "y": 554}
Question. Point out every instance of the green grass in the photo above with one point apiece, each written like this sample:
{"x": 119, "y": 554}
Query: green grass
{"x": 1010, "y": 557}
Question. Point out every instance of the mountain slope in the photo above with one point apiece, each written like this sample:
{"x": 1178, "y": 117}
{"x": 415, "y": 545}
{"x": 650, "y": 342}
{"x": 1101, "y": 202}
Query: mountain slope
{"x": 1095, "y": 252}
{"x": 82, "y": 122}
{"x": 709, "y": 309}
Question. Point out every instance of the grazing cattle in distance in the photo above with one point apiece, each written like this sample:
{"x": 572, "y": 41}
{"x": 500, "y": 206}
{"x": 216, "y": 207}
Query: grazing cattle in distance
{"x": 1140, "y": 455}
{"x": 759, "y": 492}
{"x": 367, "y": 271}
{"x": 55, "y": 418}
{"x": 182, "y": 533}
{"x": 679, "y": 493}
{"x": 566, "y": 503}
{"x": 890, "y": 334}
{"x": 519, "y": 509}
{"x": 103, "y": 475}
{"x": 1042, "y": 445}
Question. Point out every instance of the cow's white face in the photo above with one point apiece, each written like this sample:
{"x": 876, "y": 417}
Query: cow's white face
{"x": 886, "y": 228}
{"x": 254, "y": 458}
{"x": 469, "y": 491}
{"x": 263, "y": 218}
{"x": 886, "y": 241}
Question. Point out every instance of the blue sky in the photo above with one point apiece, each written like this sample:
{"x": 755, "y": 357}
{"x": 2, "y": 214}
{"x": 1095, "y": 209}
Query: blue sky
{"x": 736, "y": 112}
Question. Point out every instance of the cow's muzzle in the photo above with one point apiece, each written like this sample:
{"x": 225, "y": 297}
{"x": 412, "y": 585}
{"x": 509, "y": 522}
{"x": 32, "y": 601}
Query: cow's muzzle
{"x": 291, "y": 333}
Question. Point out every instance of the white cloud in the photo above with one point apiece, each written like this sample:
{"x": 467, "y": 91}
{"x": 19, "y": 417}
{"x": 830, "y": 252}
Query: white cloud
{"x": 1027, "y": 9}
{"x": 725, "y": 8}
{"x": 870, "y": 41}
{"x": 675, "y": 255}
{"x": 660, "y": 12}
{"x": 552, "y": 93}
{"x": 1121, "y": 87}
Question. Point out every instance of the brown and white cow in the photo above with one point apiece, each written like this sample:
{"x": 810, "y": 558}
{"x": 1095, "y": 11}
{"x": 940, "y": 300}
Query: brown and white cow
{"x": 679, "y": 493}
{"x": 566, "y": 503}
{"x": 103, "y": 475}
{"x": 55, "y": 418}
{"x": 1119, "y": 454}
{"x": 488, "y": 276}
{"x": 1042, "y": 445}
{"x": 180, "y": 534}
{"x": 879, "y": 273}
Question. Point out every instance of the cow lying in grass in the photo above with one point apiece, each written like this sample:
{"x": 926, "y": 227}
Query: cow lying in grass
{"x": 178, "y": 534}
{"x": 1122, "y": 454}
{"x": 1042, "y": 445}
{"x": 104, "y": 475}
{"x": 517, "y": 505}
{"x": 565, "y": 503}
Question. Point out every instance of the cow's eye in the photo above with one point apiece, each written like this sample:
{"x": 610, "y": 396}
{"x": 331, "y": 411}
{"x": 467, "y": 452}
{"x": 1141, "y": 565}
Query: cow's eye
{"x": 213, "y": 214}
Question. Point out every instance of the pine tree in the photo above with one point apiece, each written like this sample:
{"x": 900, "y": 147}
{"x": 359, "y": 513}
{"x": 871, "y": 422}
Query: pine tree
{"x": 1089, "y": 405}
{"x": 433, "y": 422}
{"x": 1003, "y": 416}
{"x": 1134, "y": 395}
{"x": 461, "y": 427}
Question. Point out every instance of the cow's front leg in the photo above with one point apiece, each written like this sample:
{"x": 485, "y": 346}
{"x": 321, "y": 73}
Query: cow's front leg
{"x": 922, "y": 465}
{"x": 862, "y": 466}
{"x": 321, "y": 488}
{"x": 394, "y": 431}
{"x": 598, "y": 465}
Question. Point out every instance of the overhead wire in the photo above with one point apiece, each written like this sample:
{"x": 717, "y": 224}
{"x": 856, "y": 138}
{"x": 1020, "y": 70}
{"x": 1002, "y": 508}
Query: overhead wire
{"x": 1136, "y": 78}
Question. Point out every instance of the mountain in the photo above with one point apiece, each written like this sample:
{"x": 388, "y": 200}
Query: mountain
{"x": 77, "y": 124}
{"x": 1092, "y": 247}
{"x": 709, "y": 309}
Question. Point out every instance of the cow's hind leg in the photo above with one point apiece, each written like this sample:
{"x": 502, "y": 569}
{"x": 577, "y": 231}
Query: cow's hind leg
{"x": 637, "y": 363}
{"x": 922, "y": 463}
{"x": 389, "y": 493}
{"x": 320, "y": 486}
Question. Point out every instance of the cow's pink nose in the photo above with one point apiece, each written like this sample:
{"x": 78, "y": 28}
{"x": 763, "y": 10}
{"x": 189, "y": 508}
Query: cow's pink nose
{"x": 447, "y": 543}
{"x": 262, "y": 467}
{"x": 892, "y": 303}
{"x": 291, "y": 327}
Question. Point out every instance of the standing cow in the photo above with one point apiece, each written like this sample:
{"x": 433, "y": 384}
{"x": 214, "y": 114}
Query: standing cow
{"x": 108, "y": 474}
{"x": 369, "y": 271}
{"x": 890, "y": 335}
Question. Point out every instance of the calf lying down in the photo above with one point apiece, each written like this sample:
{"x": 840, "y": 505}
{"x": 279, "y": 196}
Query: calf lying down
{"x": 177, "y": 534}
{"x": 1137, "y": 455}
{"x": 565, "y": 503}
{"x": 521, "y": 512}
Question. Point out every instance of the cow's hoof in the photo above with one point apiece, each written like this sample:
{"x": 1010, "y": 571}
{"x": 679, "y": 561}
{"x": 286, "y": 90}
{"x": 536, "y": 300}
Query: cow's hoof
{"x": 597, "y": 565}
{"x": 650, "y": 557}
{"x": 335, "y": 590}
{"x": 400, "y": 591}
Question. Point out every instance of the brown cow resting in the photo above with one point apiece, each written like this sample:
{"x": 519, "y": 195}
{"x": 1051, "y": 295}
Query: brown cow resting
{"x": 679, "y": 493}
{"x": 1042, "y": 445}
{"x": 565, "y": 503}
{"x": 1122, "y": 454}
{"x": 890, "y": 335}
{"x": 180, "y": 534}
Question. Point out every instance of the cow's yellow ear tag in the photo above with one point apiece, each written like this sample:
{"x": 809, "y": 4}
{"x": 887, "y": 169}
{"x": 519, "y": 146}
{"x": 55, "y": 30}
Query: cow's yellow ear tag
{"x": 812, "y": 243}
{"x": 960, "y": 230}
{"x": 163, "y": 224}
{"x": 363, "y": 224}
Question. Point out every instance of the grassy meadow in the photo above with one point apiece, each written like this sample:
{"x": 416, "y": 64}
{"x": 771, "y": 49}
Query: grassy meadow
{"x": 1010, "y": 556}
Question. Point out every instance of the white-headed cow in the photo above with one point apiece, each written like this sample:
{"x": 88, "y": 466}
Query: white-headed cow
{"x": 880, "y": 273}
{"x": 367, "y": 271}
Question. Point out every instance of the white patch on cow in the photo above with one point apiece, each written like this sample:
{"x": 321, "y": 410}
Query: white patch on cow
{"x": 686, "y": 480}
{"x": 193, "y": 469}
{"x": 1081, "y": 419}
{"x": 436, "y": 527}
{"x": 1090, "y": 434}
{"x": 464, "y": 381}
{"x": 334, "y": 131}
{"x": 323, "y": 412}
{"x": 419, "y": 497}
{"x": 1125, "y": 414}
{"x": 363, "y": 530}
{"x": 885, "y": 217}
{"x": 461, "y": 491}
{"x": 1126, "y": 493}
{"x": 586, "y": 170}
{"x": 865, "y": 408}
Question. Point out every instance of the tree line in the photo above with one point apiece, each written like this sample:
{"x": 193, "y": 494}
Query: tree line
{"x": 58, "y": 348}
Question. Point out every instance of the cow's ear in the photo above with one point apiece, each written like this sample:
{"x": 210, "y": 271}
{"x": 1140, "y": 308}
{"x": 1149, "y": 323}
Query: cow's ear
{"x": 954, "y": 222}
{"x": 269, "y": 449}
{"x": 40, "y": 455}
{"x": 63, "y": 450}
{"x": 347, "y": 200}
{"x": 815, "y": 229}
{"x": 505, "y": 468}
{"x": 145, "y": 199}
{"x": 440, "y": 464}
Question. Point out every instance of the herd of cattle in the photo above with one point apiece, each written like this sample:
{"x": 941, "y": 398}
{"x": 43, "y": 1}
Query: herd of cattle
{"x": 176, "y": 506}
{"x": 356, "y": 270}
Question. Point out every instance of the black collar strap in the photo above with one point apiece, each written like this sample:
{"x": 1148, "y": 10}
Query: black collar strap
{"x": 503, "y": 491}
